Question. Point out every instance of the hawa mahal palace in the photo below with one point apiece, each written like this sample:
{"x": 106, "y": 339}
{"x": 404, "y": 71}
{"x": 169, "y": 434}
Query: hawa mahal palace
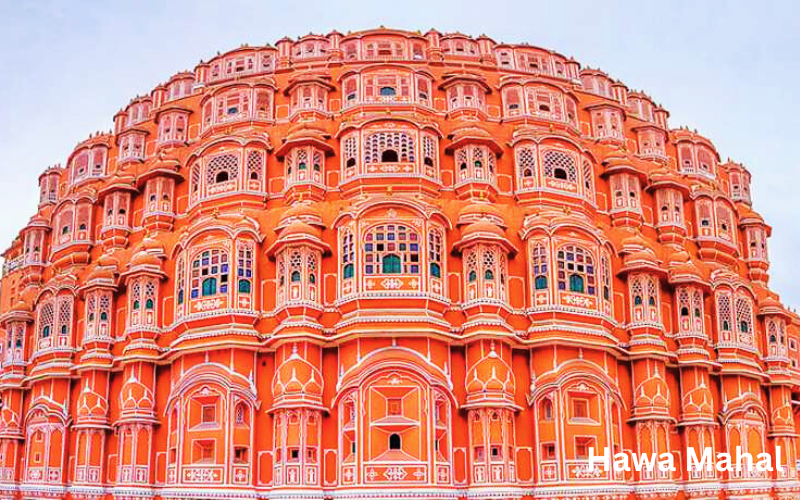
{"x": 392, "y": 265}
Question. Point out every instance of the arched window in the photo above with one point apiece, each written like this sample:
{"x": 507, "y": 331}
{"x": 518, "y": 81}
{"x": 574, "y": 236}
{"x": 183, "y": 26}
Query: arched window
{"x": 209, "y": 273}
{"x": 576, "y": 271}
{"x": 389, "y": 156}
{"x": 395, "y": 443}
{"x": 546, "y": 409}
{"x": 392, "y": 249}
{"x": 388, "y": 91}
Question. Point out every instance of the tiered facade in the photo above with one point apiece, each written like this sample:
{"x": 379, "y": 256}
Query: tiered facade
{"x": 392, "y": 265}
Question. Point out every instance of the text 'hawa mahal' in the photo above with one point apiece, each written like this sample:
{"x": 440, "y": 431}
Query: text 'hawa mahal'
{"x": 392, "y": 265}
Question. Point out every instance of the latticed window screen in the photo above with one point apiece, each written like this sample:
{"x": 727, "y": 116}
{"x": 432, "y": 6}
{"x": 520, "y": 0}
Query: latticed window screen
{"x": 209, "y": 275}
{"x": 588, "y": 180}
{"x": 222, "y": 168}
{"x": 391, "y": 249}
{"x": 80, "y": 166}
{"x": 429, "y": 153}
{"x": 64, "y": 315}
{"x": 606, "y": 277}
{"x": 376, "y": 146}
{"x": 540, "y": 268}
{"x": 104, "y": 307}
{"x": 181, "y": 281}
{"x": 348, "y": 255}
{"x": 724, "y": 223}
{"x": 435, "y": 253}
{"x": 255, "y": 165}
{"x": 311, "y": 268}
{"x": 244, "y": 267}
{"x": 350, "y": 152}
{"x": 526, "y": 162}
{"x": 576, "y": 271}
{"x": 46, "y": 319}
{"x": 724, "y": 314}
{"x": 744, "y": 319}
{"x": 697, "y": 305}
{"x": 195, "y": 179}
{"x": 149, "y": 295}
{"x": 559, "y": 165}
{"x": 686, "y": 159}
{"x": 136, "y": 295}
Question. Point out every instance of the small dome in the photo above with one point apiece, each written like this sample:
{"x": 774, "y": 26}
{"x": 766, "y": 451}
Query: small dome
{"x": 483, "y": 228}
{"x": 101, "y": 273}
{"x": 300, "y": 228}
{"x": 135, "y": 397}
{"x": 305, "y": 131}
{"x": 640, "y": 257}
{"x": 490, "y": 378}
{"x": 296, "y": 378}
{"x": 681, "y": 267}
{"x": 91, "y": 405}
{"x": 9, "y": 419}
{"x": 20, "y": 306}
{"x": 470, "y": 131}
{"x": 145, "y": 258}
{"x": 305, "y": 212}
{"x": 476, "y": 211}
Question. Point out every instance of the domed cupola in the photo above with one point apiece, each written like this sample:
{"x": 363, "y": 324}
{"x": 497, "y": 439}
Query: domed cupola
{"x": 10, "y": 424}
{"x": 136, "y": 402}
{"x": 297, "y": 382}
{"x": 92, "y": 409}
{"x": 477, "y": 211}
{"x": 490, "y": 380}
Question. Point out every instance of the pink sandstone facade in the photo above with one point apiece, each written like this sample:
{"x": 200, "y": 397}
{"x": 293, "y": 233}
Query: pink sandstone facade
{"x": 392, "y": 265}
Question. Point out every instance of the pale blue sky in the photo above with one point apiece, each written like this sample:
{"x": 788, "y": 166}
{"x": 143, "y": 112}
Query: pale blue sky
{"x": 728, "y": 69}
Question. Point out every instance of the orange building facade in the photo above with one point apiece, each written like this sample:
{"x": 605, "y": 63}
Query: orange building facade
{"x": 392, "y": 265}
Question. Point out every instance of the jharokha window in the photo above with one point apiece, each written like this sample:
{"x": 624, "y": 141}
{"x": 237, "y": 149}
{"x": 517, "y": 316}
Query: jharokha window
{"x": 576, "y": 271}
{"x": 404, "y": 255}
{"x": 391, "y": 249}
{"x": 234, "y": 171}
{"x": 218, "y": 275}
{"x": 89, "y": 163}
{"x": 390, "y": 150}
{"x": 210, "y": 272}
{"x": 239, "y": 104}
{"x": 54, "y": 321}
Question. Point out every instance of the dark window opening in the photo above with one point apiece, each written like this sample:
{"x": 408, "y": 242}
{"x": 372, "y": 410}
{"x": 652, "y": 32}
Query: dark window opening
{"x": 395, "y": 443}
{"x": 389, "y": 156}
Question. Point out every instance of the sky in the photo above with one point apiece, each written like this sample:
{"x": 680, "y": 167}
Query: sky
{"x": 728, "y": 69}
